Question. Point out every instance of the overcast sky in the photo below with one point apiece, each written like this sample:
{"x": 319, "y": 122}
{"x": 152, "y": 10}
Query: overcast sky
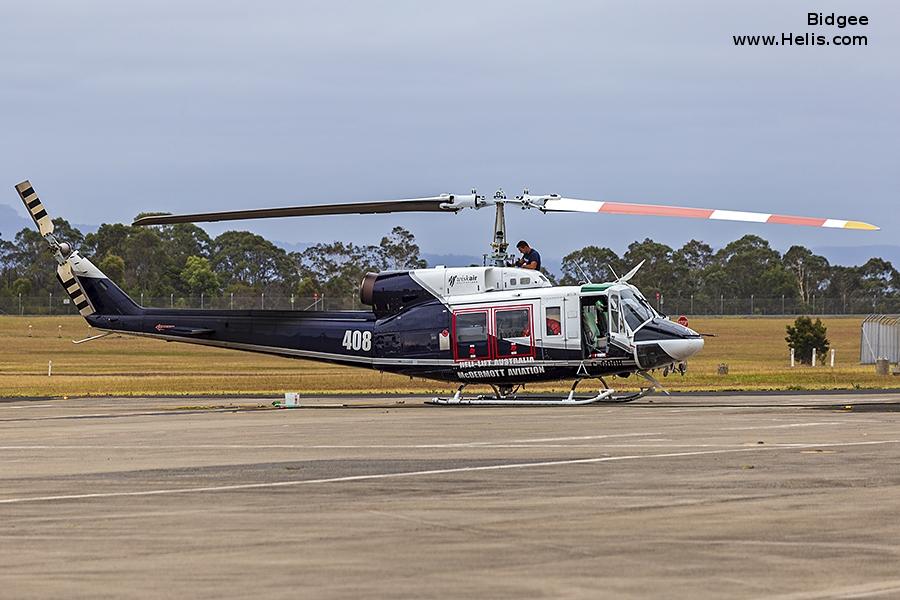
{"x": 113, "y": 108}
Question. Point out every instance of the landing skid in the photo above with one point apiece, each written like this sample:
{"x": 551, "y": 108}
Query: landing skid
{"x": 506, "y": 397}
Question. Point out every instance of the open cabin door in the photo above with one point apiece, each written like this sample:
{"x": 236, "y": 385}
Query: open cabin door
{"x": 618, "y": 334}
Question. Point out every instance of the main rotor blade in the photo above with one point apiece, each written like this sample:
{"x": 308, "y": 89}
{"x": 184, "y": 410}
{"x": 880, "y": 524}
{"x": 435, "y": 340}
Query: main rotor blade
{"x": 556, "y": 204}
{"x": 435, "y": 204}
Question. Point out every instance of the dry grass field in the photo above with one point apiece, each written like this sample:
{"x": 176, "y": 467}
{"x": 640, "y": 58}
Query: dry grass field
{"x": 753, "y": 348}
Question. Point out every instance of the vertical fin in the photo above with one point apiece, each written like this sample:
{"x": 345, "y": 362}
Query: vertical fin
{"x": 35, "y": 207}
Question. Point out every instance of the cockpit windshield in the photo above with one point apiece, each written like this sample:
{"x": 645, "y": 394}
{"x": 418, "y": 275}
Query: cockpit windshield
{"x": 635, "y": 309}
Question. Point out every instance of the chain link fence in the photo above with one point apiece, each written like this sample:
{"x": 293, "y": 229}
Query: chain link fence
{"x": 724, "y": 305}
{"x": 59, "y": 304}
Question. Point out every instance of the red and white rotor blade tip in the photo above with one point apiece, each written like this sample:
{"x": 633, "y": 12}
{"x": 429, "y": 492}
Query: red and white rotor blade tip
{"x": 658, "y": 210}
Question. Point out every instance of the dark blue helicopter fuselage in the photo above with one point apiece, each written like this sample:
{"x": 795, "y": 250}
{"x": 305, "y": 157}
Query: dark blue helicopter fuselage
{"x": 408, "y": 331}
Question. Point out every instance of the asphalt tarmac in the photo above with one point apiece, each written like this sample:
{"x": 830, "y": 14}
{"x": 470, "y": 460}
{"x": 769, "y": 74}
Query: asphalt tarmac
{"x": 779, "y": 496}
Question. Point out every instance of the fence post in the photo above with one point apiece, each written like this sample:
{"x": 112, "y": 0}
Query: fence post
{"x": 292, "y": 302}
{"x": 814, "y": 356}
{"x": 792, "y": 358}
{"x": 50, "y": 304}
{"x": 262, "y": 300}
{"x": 782, "y": 304}
{"x": 722, "y": 304}
{"x": 751, "y": 304}
{"x": 231, "y": 303}
{"x": 142, "y": 298}
{"x": 201, "y": 300}
{"x": 21, "y": 309}
{"x": 832, "y": 358}
{"x": 172, "y": 300}
{"x": 692, "y": 304}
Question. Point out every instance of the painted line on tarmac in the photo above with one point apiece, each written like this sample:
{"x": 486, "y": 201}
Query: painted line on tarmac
{"x": 404, "y": 474}
{"x": 876, "y": 589}
{"x": 784, "y": 426}
{"x": 537, "y": 443}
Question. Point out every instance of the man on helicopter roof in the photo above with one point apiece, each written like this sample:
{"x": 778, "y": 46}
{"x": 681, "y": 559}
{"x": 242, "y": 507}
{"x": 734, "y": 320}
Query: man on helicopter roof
{"x": 531, "y": 259}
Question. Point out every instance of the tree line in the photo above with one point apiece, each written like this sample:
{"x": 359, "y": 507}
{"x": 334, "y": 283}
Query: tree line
{"x": 183, "y": 260}
{"x": 744, "y": 268}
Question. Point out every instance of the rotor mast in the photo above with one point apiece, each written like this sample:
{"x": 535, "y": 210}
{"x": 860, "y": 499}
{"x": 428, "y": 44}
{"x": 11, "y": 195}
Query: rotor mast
{"x": 498, "y": 257}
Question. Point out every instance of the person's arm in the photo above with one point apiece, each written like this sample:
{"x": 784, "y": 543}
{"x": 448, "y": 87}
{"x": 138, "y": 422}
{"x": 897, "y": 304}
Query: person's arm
{"x": 532, "y": 265}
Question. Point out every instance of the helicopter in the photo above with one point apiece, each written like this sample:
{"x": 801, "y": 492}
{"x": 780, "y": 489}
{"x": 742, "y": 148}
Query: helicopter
{"x": 497, "y": 324}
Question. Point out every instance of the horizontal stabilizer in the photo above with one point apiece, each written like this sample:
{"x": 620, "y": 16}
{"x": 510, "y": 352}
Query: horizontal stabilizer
{"x": 179, "y": 330}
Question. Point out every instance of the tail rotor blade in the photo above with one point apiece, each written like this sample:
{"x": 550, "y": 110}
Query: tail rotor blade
{"x": 35, "y": 207}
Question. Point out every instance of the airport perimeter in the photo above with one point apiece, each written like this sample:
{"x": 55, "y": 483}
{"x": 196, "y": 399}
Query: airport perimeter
{"x": 764, "y": 496}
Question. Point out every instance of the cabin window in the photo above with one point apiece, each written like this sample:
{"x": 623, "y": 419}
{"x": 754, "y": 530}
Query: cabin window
{"x": 513, "y": 332}
{"x": 553, "y": 316}
{"x": 471, "y": 331}
{"x": 526, "y": 280}
{"x": 512, "y": 281}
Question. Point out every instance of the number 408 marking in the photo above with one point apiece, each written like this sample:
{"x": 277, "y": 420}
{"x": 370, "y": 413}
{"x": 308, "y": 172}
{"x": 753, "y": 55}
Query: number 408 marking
{"x": 354, "y": 339}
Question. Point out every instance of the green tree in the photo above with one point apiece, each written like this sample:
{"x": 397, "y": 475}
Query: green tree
{"x": 251, "y": 260}
{"x": 199, "y": 277}
{"x": 690, "y": 267}
{"x": 806, "y": 336}
{"x": 657, "y": 274}
{"x": 597, "y": 263}
{"x": 22, "y": 286}
{"x": 749, "y": 266}
{"x": 113, "y": 266}
{"x": 810, "y": 271}
{"x": 148, "y": 266}
{"x": 336, "y": 269}
{"x": 110, "y": 238}
{"x": 32, "y": 258}
{"x": 879, "y": 277}
{"x": 399, "y": 251}
{"x": 7, "y": 264}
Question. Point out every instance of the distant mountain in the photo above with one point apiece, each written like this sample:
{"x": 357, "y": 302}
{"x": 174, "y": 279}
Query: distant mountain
{"x": 12, "y": 222}
{"x": 451, "y": 260}
{"x": 292, "y": 246}
{"x": 858, "y": 255}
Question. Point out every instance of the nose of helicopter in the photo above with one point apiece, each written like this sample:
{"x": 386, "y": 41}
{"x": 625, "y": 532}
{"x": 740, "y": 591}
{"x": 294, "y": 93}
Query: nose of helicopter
{"x": 683, "y": 348}
{"x": 661, "y": 342}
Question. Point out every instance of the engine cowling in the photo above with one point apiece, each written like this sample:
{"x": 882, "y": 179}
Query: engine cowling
{"x": 390, "y": 292}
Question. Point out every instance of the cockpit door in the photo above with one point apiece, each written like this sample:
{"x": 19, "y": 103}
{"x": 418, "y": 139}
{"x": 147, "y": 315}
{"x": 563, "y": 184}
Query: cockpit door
{"x": 617, "y": 330}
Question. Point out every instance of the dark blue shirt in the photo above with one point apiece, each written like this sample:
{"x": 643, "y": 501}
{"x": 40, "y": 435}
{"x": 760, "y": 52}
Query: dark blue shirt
{"x": 532, "y": 256}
